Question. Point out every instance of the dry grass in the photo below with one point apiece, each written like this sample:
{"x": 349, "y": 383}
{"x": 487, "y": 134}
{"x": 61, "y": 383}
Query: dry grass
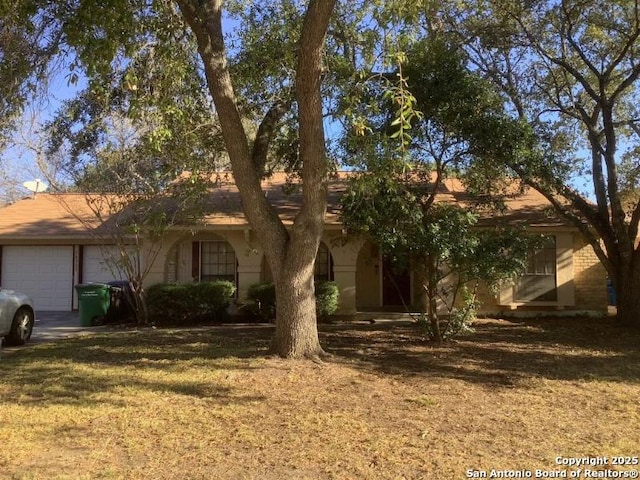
{"x": 207, "y": 404}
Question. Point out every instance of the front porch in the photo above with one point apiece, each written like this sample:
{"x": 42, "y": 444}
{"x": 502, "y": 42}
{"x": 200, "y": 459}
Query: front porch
{"x": 368, "y": 282}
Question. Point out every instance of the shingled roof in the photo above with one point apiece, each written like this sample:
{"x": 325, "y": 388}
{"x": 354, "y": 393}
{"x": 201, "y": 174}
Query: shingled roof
{"x": 50, "y": 215}
{"x": 47, "y": 215}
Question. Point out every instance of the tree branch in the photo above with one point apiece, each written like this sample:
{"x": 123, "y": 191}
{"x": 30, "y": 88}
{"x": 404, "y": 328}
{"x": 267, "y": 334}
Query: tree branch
{"x": 311, "y": 129}
{"x": 266, "y": 132}
{"x": 575, "y": 46}
{"x": 205, "y": 19}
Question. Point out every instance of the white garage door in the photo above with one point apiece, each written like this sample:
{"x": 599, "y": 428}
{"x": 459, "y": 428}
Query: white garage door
{"x": 45, "y": 273}
{"x": 98, "y": 264}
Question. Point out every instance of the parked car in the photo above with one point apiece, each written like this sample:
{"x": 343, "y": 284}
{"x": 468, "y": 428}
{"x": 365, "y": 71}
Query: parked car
{"x": 16, "y": 317}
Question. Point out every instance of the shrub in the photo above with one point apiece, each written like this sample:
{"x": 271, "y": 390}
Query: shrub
{"x": 327, "y": 297}
{"x": 167, "y": 301}
{"x": 261, "y": 300}
{"x": 212, "y": 297}
{"x": 457, "y": 321}
{"x": 178, "y": 303}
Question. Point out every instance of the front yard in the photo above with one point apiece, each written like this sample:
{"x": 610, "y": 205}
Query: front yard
{"x": 207, "y": 403}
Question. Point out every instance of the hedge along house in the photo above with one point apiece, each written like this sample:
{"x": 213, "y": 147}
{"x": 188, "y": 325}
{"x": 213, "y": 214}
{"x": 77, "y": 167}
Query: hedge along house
{"x": 45, "y": 250}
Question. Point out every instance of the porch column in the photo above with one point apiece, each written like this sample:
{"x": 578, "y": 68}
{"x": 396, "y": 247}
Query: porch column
{"x": 249, "y": 256}
{"x": 345, "y": 277}
{"x": 248, "y": 274}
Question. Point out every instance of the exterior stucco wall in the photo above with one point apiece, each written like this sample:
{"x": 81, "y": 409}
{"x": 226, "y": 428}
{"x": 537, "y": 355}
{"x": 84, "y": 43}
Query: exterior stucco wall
{"x": 174, "y": 263}
{"x": 368, "y": 277}
{"x": 344, "y": 252}
{"x": 581, "y": 279}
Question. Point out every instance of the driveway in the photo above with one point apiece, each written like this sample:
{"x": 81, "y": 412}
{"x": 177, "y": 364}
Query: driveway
{"x": 52, "y": 326}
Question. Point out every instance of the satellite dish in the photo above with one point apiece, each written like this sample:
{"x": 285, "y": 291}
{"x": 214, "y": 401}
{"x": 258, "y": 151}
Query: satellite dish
{"x": 35, "y": 186}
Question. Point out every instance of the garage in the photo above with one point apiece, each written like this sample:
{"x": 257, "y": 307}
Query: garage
{"x": 98, "y": 266}
{"x": 45, "y": 273}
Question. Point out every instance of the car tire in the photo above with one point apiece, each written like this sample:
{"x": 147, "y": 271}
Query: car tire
{"x": 21, "y": 327}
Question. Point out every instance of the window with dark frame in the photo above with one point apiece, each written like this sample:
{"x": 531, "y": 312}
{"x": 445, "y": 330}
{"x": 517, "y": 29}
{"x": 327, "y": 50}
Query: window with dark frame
{"x": 217, "y": 261}
{"x": 539, "y": 284}
{"x": 324, "y": 266}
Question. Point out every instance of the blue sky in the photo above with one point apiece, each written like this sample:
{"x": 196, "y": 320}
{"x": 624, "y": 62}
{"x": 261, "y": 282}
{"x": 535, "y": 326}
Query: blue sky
{"x": 20, "y": 159}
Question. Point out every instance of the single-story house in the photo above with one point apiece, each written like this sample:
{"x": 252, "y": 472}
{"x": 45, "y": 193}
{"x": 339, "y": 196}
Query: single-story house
{"x": 45, "y": 251}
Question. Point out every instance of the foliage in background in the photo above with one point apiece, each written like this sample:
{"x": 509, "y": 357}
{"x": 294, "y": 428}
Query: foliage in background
{"x": 261, "y": 301}
{"x": 327, "y": 299}
{"x": 138, "y": 125}
{"x": 442, "y": 243}
{"x": 188, "y": 303}
{"x": 569, "y": 72}
{"x": 27, "y": 45}
{"x": 457, "y": 129}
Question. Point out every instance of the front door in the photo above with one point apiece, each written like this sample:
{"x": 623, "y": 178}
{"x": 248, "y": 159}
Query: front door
{"x": 396, "y": 284}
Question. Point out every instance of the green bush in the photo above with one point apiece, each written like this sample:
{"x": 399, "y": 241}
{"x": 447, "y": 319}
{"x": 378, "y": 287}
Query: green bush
{"x": 179, "y": 303}
{"x": 327, "y": 297}
{"x": 167, "y": 301}
{"x": 261, "y": 300}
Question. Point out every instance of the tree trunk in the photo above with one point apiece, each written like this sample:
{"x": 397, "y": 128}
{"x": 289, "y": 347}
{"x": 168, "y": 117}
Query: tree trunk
{"x": 290, "y": 253}
{"x": 140, "y": 300}
{"x": 296, "y": 333}
{"x": 425, "y": 269}
{"x": 432, "y": 290}
{"x": 627, "y": 285}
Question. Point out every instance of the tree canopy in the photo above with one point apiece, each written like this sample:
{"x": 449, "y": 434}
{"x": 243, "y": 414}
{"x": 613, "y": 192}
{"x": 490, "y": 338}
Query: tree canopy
{"x": 551, "y": 79}
{"x": 563, "y": 81}
{"x": 447, "y": 125}
{"x": 569, "y": 71}
{"x": 160, "y": 61}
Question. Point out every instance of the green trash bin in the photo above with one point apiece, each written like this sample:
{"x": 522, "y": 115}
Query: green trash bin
{"x": 94, "y": 300}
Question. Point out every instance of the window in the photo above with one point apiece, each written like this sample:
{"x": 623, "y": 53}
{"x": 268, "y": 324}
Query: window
{"x": 539, "y": 283}
{"x": 324, "y": 265}
{"x": 217, "y": 261}
{"x": 322, "y": 272}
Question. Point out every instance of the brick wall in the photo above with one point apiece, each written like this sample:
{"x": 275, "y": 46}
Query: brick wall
{"x": 590, "y": 277}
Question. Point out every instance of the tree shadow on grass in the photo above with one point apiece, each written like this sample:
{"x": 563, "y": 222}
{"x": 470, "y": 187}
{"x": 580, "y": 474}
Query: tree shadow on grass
{"x": 56, "y": 385}
{"x": 571, "y": 332}
{"x": 164, "y": 346}
{"x": 498, "y": 353}
{"x": 81, "y": 370}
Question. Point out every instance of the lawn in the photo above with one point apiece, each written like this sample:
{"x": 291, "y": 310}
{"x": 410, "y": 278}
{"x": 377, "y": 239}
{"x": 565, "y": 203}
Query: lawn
{"x": 209, "y": 404}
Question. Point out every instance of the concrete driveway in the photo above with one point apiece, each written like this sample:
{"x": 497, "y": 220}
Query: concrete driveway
{"x": 51, "y": 326}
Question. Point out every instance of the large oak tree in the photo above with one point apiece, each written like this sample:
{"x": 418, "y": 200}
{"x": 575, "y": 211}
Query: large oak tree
{"x": 103, "y": 39}
{"x": 569, "y": 71}
{"x": 290, "y": 252}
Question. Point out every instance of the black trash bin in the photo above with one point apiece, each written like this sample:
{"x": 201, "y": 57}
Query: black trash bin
{"x": 122, "y": 307}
